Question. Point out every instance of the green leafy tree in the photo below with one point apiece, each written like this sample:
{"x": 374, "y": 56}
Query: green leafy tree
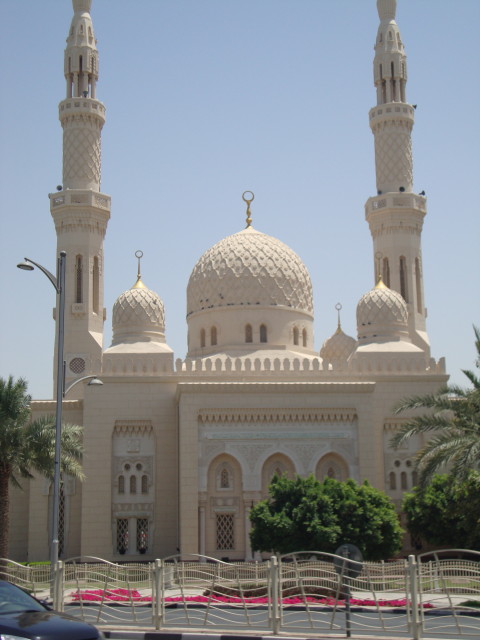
{"x": 446, "y": 512}
{"x": 29, "y": 446}
{"x": 304, "y": 514}
{"x": 452, "y": 424}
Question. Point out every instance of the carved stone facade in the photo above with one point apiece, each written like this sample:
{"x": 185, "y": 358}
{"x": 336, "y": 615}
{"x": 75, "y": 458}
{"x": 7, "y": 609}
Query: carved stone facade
{"x": 178, "y": 450}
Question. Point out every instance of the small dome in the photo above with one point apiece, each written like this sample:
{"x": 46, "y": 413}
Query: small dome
{"x": 338, "y": 347}
{"x": 138, "y": 314}
{"x": 381, "y": 313}
{"x": 249, "y": 268}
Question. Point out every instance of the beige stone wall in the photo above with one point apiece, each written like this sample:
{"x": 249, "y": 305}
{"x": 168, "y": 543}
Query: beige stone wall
{"x": 121, "y": 401}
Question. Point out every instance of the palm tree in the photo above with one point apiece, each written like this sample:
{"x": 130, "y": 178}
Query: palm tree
{"x": 29, "y": 446}
{"x": 454, "y": 424}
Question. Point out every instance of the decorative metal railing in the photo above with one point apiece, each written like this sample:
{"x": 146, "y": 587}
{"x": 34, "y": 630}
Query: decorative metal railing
{"x": 303, "y": 592}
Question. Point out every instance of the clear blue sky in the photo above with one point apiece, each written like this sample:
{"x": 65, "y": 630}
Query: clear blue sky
{"x": 208, "y": 98}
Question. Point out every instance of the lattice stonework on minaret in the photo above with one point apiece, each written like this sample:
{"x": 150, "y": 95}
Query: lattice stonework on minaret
{"x": 82, "y": 152}
{"x": 393, "y": 156}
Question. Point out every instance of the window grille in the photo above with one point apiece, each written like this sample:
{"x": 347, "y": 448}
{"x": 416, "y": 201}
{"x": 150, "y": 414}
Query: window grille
{"x": 133, "y": 484}
{"x": 225, "y": 531}
{"x": 144, "y": 484}
{"x": 142, "y": 534}
{"x": 121, "y": 484}
{"x": 77, "y": 365}
{"x": 248, "y": 333}
{"x": 224, "y": 479}
{"x": 122, "y": 535}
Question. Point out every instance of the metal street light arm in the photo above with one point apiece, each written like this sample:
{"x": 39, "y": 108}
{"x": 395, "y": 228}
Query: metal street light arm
{"x": 49, "y": 275}
{"x": 90, "y": 377}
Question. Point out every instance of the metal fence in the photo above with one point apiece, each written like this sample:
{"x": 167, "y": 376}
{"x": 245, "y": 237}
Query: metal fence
{"x": 302, "y": 592}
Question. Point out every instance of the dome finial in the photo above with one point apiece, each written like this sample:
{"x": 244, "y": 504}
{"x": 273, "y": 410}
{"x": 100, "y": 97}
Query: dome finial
{"x": 380, "y": 283}
{"x": 338, "y": 307}
{"x": 139, "y": 284}
{"x": 248, "y": 200}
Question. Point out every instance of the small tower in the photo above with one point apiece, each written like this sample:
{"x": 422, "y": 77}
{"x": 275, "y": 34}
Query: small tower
{"x": 395, "y": 215}
{"x": 79, "y": 210}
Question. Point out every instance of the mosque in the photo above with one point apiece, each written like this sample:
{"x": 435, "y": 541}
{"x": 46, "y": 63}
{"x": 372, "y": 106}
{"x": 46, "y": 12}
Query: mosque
{"x": 178, "y": 451}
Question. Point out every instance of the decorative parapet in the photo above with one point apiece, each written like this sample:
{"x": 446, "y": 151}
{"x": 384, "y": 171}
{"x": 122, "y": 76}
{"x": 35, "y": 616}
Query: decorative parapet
{"x": 133, "y": 427}
{"x": 276, "y": 416}
{"x": 249, "y": 365}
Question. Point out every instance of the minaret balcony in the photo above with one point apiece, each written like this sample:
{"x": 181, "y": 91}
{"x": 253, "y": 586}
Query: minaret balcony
{"x": 80, "y": 197}
{"x": 82, "y": 105}
{"x": 392, "y": 111}
{"x": 395, "y": 200}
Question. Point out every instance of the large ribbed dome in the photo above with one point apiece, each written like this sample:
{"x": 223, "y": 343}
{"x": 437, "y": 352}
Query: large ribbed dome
{"x": 249, "y": 268}
{"x": 138, "y": 314}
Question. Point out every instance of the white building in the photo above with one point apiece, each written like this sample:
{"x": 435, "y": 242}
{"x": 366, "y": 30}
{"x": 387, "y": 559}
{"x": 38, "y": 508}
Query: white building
{"x": 177, "y": 452}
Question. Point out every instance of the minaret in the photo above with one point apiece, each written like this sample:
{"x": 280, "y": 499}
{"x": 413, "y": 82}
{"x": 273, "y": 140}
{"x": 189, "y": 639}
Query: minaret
{"x": 395, "y": 215}
{"x": 80, "y": 211}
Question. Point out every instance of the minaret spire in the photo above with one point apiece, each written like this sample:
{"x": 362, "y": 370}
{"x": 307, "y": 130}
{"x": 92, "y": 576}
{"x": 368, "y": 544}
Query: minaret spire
{"x": 395, "y": 215}
{"x": 79, "y": 210}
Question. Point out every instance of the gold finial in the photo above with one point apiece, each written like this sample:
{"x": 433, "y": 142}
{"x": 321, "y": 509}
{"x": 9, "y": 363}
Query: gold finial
{"x": 138, "y": 284}
{"x": 380, "y": 283}
{"x": 338, "y": 307}
{"x": 248, "y": 200}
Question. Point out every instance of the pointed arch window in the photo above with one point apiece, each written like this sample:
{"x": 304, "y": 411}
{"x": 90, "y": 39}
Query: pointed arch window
{"x": 144, "y": 484}
{"x": 202, "y": 338}
{"x": 121, "y": 484}
{"x": 295, "y": 335}
{"x": 133, "y": 484}
{"x": 418, "y": 285}
{"x": 213, "y": 336}
{"x": 386, "y": 271}
{"x": 403, "y": 278}
{"x": 248, "y": 333}
{"x": 392, "y": 481}
{"x": 79, "y": 279}
{"x": 96, "y": 285}
{"x": 304, "y": 337}
{"x": 263, "y": 333}
{"x": 403, "y": 480}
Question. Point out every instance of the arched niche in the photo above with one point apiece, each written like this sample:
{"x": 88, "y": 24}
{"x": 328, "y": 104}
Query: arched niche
{"x": 332, "y": 465}
{"x": 277, "y": 463}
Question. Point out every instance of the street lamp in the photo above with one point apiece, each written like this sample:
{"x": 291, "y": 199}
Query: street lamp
{"x": 59, "y": 286}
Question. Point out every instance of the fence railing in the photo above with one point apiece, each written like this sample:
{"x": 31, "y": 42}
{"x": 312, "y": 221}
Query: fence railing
{"x": 306, "y": 591}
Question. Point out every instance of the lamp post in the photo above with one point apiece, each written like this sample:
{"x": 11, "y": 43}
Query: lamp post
{"x": 59, "y": 286}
